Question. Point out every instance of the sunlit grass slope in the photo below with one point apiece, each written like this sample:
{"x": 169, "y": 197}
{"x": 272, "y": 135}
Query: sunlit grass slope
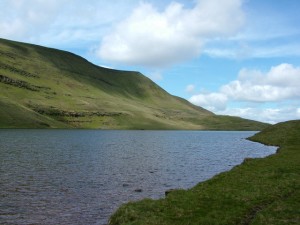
{"x": 48, "y": 88}
{"x": 260, "y": 191}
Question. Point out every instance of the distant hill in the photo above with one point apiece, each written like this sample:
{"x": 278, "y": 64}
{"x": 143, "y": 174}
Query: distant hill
{"x": 48, "y": 88}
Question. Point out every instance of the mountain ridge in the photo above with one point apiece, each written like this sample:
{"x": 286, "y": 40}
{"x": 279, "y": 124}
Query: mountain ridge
{"x": 48, "y": 88}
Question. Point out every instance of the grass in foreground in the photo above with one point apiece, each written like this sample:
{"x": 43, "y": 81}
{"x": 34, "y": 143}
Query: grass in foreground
{"x": 259, "y": 191}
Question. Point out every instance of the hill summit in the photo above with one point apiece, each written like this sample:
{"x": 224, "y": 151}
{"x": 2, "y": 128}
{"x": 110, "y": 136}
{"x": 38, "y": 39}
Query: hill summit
{"x": 48, "y": 88}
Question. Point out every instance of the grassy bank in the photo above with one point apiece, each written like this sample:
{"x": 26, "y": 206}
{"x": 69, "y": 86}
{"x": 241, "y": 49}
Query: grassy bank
{"x": 259, "y": 191}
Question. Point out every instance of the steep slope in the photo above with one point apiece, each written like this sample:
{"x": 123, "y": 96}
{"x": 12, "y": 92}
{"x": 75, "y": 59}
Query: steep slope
{"x": 44, "y": 87}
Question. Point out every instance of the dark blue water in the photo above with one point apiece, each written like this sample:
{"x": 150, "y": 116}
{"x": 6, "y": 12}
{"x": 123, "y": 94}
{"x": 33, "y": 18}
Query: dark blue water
{"x": 82, "y": 176}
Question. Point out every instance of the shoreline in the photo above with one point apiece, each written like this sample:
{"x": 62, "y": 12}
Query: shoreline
{"x": 251, "y": 191}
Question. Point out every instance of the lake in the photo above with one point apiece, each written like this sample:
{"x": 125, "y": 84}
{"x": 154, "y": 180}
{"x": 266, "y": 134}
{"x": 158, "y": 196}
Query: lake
{"x": 82, "y": 176}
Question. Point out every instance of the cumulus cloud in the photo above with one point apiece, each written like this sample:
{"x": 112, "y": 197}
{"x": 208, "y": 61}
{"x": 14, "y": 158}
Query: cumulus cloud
{"x": 211, "y": 101}
{"x": 280, "y": 84}
{"x": 150, "y": 37}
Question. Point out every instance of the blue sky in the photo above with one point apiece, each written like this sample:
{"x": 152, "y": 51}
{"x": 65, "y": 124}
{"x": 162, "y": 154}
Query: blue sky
{"x": 233, "y": 57}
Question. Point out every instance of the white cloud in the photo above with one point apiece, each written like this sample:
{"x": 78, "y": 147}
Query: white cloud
{"x": 269, "y": 32}
{"x": 155, "y": 75}
{"x": 190, "y": 88}
{"x": 211, "y": 101}
{"x": 149, "y": 37}
{"x": 281, "y": 84}
{"x": 269, "y": 115}
{"x": 284, "y": 75}
{"x": 20, "y": 18}
{"x": 107, "y": 67}
{"x": 239, "y": 51}
{"x": 60, "y": 22}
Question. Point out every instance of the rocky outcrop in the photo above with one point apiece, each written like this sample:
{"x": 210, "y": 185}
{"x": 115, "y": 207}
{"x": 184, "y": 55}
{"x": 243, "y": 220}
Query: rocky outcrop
{"x": 18, "y": 83}
{"x": 17, "y": 71}
{"x": 52, "y": 111}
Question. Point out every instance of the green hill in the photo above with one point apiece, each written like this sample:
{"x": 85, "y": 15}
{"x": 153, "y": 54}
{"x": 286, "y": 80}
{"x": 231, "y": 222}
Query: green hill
{"x": 259, "y": 191}
{"x": 48, "y": 88}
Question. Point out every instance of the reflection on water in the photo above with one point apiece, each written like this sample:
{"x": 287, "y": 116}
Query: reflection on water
{"x": 82, "y": 176}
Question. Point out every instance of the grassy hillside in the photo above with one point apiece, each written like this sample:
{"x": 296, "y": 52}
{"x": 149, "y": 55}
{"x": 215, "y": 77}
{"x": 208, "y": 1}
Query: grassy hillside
{"x": 260, "y": 191}
{"x": 48, "y": 88}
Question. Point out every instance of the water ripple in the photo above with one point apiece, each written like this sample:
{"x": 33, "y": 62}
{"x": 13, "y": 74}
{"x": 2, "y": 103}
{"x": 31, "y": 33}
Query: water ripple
{"x": 82, "y": 176}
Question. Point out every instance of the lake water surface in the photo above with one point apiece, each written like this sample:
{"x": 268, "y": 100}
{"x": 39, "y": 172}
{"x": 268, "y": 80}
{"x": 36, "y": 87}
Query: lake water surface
{"x": 82, "y": 176}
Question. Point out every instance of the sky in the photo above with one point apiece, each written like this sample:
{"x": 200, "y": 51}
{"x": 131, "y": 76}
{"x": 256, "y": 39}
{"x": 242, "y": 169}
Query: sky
{"x": 232, "y": 57}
